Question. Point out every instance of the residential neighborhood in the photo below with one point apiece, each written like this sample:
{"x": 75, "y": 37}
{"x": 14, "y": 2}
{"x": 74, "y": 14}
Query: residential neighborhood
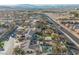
{"x": 39, "y": 32}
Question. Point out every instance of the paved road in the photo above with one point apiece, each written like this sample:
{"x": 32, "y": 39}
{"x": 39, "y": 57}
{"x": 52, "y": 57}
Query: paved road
{"x": 69, "y": 35}
{"x": 7, "y": 35}
{"x": 72, "y": 38}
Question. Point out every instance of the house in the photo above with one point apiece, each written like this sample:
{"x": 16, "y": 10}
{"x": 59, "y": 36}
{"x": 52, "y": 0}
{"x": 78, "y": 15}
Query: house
{"x": 76, "y": 28}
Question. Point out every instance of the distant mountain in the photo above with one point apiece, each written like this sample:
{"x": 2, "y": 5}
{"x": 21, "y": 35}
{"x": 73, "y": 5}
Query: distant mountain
{"x": 19, "y": 7}
{"x": 36, "y": 7}
{"x": 24, "y": 6}
{"x": 69, "y": 6}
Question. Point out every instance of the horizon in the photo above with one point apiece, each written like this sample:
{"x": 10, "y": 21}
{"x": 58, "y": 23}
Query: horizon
{"x": 16, "y": 2}
{"x": 39, "y": 4}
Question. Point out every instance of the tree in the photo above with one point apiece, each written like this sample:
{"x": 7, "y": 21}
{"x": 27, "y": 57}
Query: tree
{"x": 19, "y": 51}
{"x": 75, "y": 14}
{"x": 55, "y": 36}
{"x": 1, "y": 44}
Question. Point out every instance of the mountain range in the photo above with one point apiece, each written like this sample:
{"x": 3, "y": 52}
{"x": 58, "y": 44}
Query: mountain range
{"x": 37, "y": 7}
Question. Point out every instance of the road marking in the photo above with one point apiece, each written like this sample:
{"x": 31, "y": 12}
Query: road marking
{"x": 70, "y": 38}
{"x": 64, "y": 32}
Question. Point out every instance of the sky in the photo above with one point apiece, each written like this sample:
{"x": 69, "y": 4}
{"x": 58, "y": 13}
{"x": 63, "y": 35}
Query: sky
{"x": 14, "y": 2}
